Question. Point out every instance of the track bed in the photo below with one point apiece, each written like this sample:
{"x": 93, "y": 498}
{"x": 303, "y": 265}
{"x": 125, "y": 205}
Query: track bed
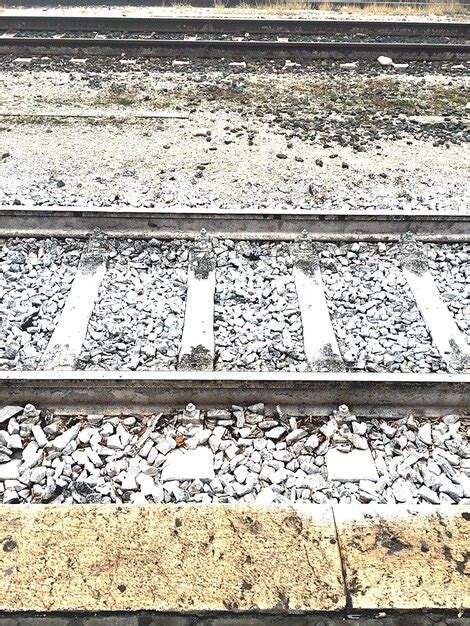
{"x": 234, "y": 322}
{"x": 233, "y": 454}
{"x": 141, "y": 305}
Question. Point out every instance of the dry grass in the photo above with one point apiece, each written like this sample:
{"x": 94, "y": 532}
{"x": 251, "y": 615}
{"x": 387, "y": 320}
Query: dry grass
{"x": 117, "y": 97}
{"x": 375, "y": 95}
{"x": 246, "y": 6}
{"x": 445, "y": 7}
{"x": 180, "y": 5}
{"x": 268, "y": 6}
{"x": 402, "y": 8}
{"x": 294, "y": 97}
{"x": 121, "y": 99}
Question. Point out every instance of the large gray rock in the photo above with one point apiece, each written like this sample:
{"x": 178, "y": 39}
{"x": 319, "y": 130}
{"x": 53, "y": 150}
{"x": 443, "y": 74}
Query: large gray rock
{"x": 8, "y": 412}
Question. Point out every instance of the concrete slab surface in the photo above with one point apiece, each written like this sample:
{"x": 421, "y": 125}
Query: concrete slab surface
{"x": 351, "y": 466}
{"x": 235, "y": 559}
{"x": 169, "y": 558}
{"x": 189, "y": 464}
{"x": 399, "y": 557}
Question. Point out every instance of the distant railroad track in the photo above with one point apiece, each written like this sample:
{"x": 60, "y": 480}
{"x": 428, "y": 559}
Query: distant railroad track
{"x": 238, "y": 49}
{"x": 232, "y": 25}
{"x": 17, "y": 38}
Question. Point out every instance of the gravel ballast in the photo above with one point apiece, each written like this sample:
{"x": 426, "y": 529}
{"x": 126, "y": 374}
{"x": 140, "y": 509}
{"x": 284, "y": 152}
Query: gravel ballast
{"x": 376, "y": 320}
{"x": 138, "y": 320}
{"x": 257, "y": 318}
{"x": 209, "y": 36}
{"x": 450, "y": 269}
{"x": 232, "y": 454}
{"x": 138, "y": 317}
{"x": 35, "y": 278}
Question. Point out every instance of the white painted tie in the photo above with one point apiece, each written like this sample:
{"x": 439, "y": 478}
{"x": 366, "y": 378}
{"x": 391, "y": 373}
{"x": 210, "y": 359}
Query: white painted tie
{"x": 445, "y": 333}
{"x": 197, "y": 343}
{"x": 66, "y": 342}
{"x": 320, "y": 344}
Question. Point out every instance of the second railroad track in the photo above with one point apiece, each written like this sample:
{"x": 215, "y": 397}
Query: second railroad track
{"x": 215, "y": 37}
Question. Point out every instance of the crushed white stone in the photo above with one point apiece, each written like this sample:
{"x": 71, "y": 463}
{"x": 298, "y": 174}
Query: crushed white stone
{"x": 228, "y": 457}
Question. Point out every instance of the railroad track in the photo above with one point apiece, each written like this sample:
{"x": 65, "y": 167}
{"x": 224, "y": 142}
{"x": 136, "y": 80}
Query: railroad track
{"x": 228, "y": 444}
{"x": 81, "y": 432}
{"x": 275, "y": 224}
{"x": 201, "y": 284}
{"x": 305, "y": 38}
{"x": 194, "y": 25}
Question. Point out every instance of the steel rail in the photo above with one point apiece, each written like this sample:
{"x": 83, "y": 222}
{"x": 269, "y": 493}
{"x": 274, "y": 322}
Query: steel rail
{"x": 163, "y": 223}
{"x": 372, "y": 395}
{"x": 217, "y": 48}
{"x": 231, "y": 25}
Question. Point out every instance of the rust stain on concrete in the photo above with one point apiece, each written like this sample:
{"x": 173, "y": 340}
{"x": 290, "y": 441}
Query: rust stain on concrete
{"x": 169, "y": 558}
{"x": 399, "y": 557}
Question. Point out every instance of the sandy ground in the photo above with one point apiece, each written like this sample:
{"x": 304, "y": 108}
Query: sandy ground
{"x": 222, "y": 155}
